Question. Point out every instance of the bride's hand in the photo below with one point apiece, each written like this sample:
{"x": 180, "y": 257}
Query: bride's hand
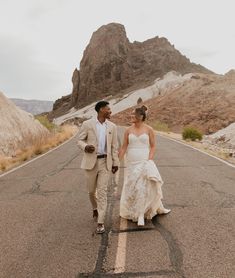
{"x": 121, "y": 153}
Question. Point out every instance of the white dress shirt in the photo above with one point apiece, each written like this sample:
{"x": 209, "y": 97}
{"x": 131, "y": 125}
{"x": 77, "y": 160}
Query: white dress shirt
{"x": 101, "y": 132}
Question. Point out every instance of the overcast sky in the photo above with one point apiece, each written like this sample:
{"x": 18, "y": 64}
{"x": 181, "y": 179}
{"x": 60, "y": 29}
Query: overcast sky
{"x": 42, "y": 41}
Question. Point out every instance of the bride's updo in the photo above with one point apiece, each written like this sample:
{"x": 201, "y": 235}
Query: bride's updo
{"x": 141, "y": 112}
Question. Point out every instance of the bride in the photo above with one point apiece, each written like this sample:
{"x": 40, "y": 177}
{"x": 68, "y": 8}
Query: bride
{"x": 141, "y": 193}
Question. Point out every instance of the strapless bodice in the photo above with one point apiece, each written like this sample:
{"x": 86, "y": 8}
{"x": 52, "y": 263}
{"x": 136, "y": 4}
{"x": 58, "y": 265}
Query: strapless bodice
{"x": 138, "y": 147}
{"x": 138, "y": 141}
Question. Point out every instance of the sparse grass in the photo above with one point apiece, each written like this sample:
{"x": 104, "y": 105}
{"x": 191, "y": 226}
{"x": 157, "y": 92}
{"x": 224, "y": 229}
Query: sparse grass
{"x": 160, "y": 126}
{"x": 39, "y": 146}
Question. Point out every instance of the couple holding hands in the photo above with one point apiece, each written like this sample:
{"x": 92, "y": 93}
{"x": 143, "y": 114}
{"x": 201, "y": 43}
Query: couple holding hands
{"x": 141, "y": 192}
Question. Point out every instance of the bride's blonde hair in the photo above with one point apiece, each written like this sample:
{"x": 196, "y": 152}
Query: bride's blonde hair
{"x": 141, "y": 112}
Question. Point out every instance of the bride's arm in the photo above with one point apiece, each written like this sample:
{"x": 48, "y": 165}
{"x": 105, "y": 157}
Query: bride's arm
{"x": 152, "y": 143}
{"x": 123, "y": 148}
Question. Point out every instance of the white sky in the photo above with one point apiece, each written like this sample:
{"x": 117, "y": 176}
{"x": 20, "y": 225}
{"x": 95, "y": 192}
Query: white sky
{"x": 42, "y": 41}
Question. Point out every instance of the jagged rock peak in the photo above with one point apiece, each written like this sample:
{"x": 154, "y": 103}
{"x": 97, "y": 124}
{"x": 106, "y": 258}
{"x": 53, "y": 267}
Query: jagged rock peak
{"x": 112, "y": 65}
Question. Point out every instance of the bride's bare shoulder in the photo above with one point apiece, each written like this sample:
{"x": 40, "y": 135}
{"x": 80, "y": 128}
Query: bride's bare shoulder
{"x": 128, "y": 130}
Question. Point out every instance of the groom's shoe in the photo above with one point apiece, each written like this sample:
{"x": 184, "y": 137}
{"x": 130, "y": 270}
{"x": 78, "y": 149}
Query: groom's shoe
{"x": 100, "y": 229}
{"x": 95, "y": 214}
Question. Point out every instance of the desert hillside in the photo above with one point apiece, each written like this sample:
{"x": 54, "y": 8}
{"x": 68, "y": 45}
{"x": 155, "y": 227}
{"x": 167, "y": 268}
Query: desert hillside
{"x": 205, "y": 101}
{"x": 18, "y": 128}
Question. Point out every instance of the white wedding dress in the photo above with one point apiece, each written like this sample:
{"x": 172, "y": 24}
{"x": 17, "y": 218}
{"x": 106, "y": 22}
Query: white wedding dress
{"x": 141, "y": 193}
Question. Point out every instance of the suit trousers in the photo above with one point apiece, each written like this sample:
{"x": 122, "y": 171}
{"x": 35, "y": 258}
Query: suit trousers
{"x": 97, "y": 185}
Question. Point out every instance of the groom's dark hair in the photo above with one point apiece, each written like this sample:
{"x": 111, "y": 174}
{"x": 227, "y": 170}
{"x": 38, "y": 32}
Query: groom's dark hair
{"x": 100, "y": 104}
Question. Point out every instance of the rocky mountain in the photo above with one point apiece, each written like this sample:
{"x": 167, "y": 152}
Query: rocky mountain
{"x": 33, "y": 106}
{"x": 18, "y": 129}
{"x": 112, "y": 65}
{"x": 205, "y": 101}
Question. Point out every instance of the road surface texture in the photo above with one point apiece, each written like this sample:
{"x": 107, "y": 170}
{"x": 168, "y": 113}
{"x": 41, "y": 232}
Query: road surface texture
{"x": 47, "y": 230}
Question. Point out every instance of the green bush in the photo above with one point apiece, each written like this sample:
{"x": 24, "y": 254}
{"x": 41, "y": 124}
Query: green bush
{"x": 192, "y": 134}
{"x": 45, "y": 122}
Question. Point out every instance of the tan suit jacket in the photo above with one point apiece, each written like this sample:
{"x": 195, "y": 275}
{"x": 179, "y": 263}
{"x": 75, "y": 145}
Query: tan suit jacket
{"x": 88, "y": 136}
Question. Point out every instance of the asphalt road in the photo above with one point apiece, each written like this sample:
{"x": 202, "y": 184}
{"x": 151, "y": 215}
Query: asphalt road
{"x": 47, "y": 230}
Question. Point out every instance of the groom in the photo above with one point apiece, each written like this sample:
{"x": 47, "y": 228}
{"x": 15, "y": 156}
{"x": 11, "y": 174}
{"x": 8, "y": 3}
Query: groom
{"x": 98, "y": 138}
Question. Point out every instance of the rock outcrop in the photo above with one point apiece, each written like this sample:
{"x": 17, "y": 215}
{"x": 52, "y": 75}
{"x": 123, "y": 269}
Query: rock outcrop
{"x": 60, "y": 107}
{"x": 112, "y": 65}
{"x": 18, "y": 129}
{"x": 76, "y": 83}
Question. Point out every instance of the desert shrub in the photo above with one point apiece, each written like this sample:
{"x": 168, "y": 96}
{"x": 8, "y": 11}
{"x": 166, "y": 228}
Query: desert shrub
{"x": 3, "y": 166}
{"x": 45, "y": 122}
{"x": 38, "y": 149}
{"x": 24, "y": 157}
{"x": 191, "y": 133}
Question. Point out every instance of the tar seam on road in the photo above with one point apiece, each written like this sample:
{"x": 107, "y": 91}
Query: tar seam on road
{"x": 36, "y": 186}
{"x": 176, "y": 256}
{"x": 98, "y": 271}
{"x": 228, "y": 200}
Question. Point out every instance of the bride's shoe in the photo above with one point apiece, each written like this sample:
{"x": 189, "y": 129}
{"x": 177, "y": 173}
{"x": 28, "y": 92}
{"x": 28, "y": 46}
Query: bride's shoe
{"x": 163, "y": 211}
{"x": 141, "y": 221}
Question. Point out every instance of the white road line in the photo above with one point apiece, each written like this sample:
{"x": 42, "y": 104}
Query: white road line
{"x": 21, "y": 166}
{"x": 204, "y": 152}
{"x": 120, "y": 262}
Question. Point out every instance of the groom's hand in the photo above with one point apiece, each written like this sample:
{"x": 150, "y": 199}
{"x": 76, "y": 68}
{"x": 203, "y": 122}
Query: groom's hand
{"x": 114, "y": 169}
{"x": 89, "y": 149}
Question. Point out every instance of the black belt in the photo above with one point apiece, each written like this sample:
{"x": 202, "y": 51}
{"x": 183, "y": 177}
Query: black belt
{"x": 101, "y": 156}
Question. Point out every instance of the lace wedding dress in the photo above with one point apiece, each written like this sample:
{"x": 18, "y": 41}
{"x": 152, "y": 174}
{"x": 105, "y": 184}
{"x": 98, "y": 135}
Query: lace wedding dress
{"x": 141, "y": 193}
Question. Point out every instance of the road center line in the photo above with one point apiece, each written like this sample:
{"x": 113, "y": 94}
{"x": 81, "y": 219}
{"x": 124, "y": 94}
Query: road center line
{"x": 120, "y": 261}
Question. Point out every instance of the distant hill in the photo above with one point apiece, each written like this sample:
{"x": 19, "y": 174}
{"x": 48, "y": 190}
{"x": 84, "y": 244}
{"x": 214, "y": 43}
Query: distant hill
{"x": 33, "y": 106}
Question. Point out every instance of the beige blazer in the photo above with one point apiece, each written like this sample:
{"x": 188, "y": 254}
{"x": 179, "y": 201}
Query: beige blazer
{"x": 87, "y": 135}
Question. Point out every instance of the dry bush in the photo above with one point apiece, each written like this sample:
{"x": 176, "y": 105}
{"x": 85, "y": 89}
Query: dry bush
{"x": 36, "y": 146}
{"x": 3, "y": 164}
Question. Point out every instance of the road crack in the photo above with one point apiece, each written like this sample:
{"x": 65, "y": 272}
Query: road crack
{"x": 36, "y": 187}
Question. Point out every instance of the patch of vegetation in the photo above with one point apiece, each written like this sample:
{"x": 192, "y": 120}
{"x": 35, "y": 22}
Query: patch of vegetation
{"x": 191, "y": 133}
{"x": 39, "y": 146}
{"x": 46, "y": 123}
